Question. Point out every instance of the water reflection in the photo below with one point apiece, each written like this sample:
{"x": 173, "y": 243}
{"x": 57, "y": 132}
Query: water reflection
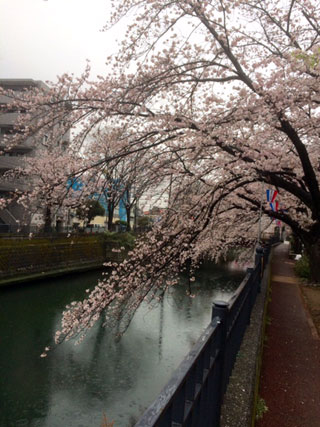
{"x": 75, "y": 385}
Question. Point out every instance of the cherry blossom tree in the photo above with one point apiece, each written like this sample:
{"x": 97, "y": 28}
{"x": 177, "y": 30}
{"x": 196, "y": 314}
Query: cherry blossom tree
{"x": 123, "y": 179}
{"x": 218, "y": 98}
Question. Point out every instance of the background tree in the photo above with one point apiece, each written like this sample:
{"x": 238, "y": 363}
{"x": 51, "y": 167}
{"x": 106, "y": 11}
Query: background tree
{"x": 90, "y": 210}
{"x": 144, "y": 223}
{"x": 122, "y": 180}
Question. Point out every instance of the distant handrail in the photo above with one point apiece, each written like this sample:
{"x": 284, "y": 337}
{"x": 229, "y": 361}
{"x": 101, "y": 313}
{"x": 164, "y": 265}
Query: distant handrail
{"x": 193, "y": 396}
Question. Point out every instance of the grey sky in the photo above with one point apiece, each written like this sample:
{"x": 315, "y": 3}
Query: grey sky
{"x": 41, "y": 39}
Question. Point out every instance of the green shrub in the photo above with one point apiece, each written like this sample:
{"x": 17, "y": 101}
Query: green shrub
{"x": 120, "y": 239}
{"x": 261, "y": 408}
{"x": 302, "y": 267}
{"x": 295, "y": 244}
{"x": 144, "y": 221}
{"x": 121, "y": 222}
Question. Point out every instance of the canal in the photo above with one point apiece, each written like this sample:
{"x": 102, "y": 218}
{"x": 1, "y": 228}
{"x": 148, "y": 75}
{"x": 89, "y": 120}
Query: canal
{"x": 77, "y": 385}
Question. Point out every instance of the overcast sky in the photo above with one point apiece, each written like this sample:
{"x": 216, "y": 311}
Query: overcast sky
{"x": 40, "y": 39}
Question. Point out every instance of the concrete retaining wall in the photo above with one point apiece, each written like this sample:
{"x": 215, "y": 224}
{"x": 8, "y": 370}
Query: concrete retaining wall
{"x": 22, "y": 260}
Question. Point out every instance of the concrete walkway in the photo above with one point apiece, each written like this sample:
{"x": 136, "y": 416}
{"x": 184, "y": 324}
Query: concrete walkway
{"x": 290, "y": 376}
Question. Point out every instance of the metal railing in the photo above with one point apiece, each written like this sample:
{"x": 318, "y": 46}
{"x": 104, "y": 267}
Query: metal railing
{"x": 194, "y": 394}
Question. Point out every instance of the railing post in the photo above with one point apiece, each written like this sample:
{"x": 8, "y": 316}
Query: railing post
{"x": 266, "y": 252}
{"x": 220, "y": 312}
{"x": 259, "y": 252}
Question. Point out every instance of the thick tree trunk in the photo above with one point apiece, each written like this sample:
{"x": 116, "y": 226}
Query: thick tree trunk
{"x": 296, "y": 244}
{"x": 313, "y": 252}
{"x": 128, "y": 212}
{"x": 110, "y": 217}
{"x": 47, "y": 221}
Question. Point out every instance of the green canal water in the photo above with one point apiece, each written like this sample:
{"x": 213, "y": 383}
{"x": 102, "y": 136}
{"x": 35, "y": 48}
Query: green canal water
{"x": 76, "y": 384}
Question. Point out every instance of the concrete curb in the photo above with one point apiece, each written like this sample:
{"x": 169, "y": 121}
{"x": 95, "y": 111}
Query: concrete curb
{"x": 24, "y": 279}
{"x": 238, "y": 409}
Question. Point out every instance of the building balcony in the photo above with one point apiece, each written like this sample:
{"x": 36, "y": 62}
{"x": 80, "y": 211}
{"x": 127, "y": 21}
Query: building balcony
{"x": 8, "y": 119}
{"x": 10, "y": 162}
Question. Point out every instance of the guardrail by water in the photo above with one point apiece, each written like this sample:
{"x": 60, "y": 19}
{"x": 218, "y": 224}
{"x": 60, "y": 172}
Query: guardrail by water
{"x": 194, "y": 394}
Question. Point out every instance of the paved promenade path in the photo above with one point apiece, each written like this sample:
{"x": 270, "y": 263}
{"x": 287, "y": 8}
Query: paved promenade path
{"x": 290, "y": 377}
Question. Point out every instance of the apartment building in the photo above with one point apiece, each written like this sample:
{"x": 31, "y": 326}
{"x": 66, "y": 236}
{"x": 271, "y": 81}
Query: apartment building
{"x": 15, "y": 217}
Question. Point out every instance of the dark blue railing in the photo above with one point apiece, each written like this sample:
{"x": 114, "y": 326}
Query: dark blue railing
{"x": 194, "y": 394}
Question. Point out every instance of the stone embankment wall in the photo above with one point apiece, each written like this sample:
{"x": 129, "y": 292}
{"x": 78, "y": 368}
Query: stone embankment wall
{"x": 24, "y": 259}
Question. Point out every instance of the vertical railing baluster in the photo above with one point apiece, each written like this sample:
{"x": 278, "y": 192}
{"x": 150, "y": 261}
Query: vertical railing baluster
{"x": 259, "y": 263}
{"x": 178, "y": 406}
{"x": 220, "y": 311}
{"x": 251, "y": 272}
